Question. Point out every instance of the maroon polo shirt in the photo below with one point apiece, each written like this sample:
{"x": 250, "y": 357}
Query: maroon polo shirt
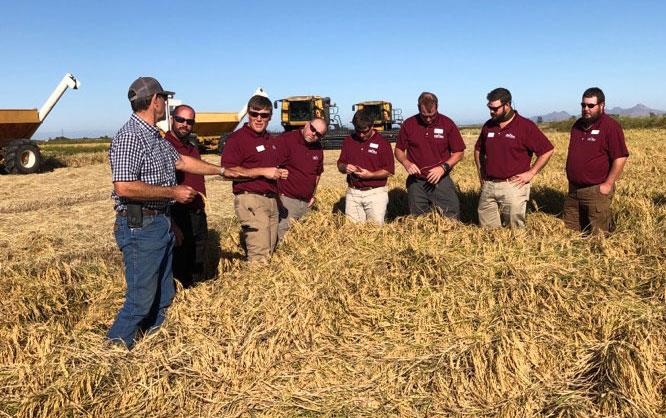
{"x": 305, "y": 162}
{"x": 248, "y": 149}
{"x": 593, "y": 150}
{"x": 195, "y": 181}
{"x": 508, "y": 151}
{"x": 372, "y": 154}
{"x": 431, "y": 145}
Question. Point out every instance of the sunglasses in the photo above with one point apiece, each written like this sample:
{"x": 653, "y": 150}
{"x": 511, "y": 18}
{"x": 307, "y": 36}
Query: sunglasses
{"x": 365, "y": 132}
{"x": 180, "y": 119}
{"x": 264, "y": 115}
{"x": 588, "y": 105}
{"x": 496, "y": 108}
{"x": 316, "y": 132}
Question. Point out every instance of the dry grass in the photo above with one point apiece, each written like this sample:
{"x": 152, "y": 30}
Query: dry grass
{"x": 423, "y": 317}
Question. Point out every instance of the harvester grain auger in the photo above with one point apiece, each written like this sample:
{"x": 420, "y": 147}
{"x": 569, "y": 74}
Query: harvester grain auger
{"x": 18, "y": 153}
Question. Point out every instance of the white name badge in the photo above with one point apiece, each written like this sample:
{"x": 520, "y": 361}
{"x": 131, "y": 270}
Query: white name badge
{"x": 373, "y": 145}
{"x": 438, "y": 130}
{"x": 595, "y": 132}
{"x": 491, "y": 134}
{"x": 261, "y": 148}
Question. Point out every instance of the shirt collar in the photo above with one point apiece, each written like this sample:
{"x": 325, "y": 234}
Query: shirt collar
{"x": 434, "y": 122}
{"x": 169, "y": 135}
{"x": 494, "y": 124}
{"x": 251, "y": 132}
{"x": 594, "y": 125}
{"x": 151, "y": 128}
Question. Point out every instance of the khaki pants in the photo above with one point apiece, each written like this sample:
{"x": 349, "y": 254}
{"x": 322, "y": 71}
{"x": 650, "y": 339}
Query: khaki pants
{"x": 290, "y": 210}
{"x": 366, "y": 205}
{"x": 503, "y": 204}
{"x": 258, "y": 216}
{"x": 585, "y": 209}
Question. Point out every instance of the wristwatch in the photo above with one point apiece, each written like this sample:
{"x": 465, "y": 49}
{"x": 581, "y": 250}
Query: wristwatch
{"x": 446, "y": 168}
{"x": 222, "y": 171}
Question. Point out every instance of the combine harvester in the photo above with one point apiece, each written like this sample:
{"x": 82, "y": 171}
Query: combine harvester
{"x": 386, "y": 119}
{"x": 210, "y": 128}
{"x": 295, "y": 111}
{"x": 18, "y": 153}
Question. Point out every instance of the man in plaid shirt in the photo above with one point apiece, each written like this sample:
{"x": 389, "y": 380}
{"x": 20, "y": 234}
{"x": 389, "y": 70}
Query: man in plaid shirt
{"x": 143, "y": 168}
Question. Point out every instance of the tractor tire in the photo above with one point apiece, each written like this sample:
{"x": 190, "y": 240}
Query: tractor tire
{"x": 22, "y": 157}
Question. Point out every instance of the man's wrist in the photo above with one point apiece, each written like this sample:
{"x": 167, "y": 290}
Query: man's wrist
{"x": 446, "y": 167}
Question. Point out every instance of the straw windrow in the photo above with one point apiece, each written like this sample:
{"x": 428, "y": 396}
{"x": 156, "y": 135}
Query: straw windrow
{"x": 422, "y": 317}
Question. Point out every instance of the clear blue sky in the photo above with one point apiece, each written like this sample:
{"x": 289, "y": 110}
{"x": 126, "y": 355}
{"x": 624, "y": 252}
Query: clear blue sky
{"x": 214, "y": 56}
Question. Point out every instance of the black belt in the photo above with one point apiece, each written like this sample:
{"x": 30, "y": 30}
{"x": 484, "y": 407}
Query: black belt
{"x": 363, "y": 189}
{"x": 494, "y": 180}
{"x": 271, "y": 195}
{"x": 146, "y": 211}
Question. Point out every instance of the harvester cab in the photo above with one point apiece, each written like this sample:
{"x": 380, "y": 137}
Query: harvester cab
{"x": 383, "y": 114}
{"x": 296, "y": 111}
{"x": 18, "y": 154}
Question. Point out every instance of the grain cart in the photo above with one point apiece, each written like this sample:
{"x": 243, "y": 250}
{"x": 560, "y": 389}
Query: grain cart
{"x": 210, "y": 128}
{"x": 18, "y": 153}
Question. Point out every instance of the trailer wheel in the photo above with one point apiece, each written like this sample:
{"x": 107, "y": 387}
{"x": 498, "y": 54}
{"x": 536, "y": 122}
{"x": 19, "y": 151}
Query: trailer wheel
{"x": 22, "y": 157}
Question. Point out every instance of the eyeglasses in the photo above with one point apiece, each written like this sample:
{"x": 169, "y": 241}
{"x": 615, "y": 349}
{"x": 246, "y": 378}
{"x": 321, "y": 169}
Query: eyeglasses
{"x": 364, "y": 132}
{"x": 180, "y": 119}
{"x": 496, "y": 108}
{"x": 316, "y": 132}
{"x": 264, "y": 115}
{"x": 588, "y": 105}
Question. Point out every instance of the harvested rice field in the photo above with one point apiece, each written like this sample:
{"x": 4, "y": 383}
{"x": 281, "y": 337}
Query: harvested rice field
{"x": 421, "y": 317}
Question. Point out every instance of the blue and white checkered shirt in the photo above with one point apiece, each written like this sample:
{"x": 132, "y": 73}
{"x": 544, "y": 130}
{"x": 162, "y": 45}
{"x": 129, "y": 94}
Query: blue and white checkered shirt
{"x": 139, "y": 153}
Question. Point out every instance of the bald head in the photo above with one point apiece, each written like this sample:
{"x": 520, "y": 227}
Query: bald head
{"x": 314, "y": 130}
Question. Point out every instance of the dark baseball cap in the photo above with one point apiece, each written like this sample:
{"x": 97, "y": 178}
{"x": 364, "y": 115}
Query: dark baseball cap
{"x": 146, "y": 87}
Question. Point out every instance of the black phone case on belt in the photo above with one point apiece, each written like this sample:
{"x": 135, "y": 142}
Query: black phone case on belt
{"x": 134, "y": 215}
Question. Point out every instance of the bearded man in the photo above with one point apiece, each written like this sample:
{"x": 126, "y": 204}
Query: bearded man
{"x": 597, "y": 155}
{"x": 503, "y": 156}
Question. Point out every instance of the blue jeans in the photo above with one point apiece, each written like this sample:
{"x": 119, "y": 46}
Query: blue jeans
{"x": 147, "y": 255}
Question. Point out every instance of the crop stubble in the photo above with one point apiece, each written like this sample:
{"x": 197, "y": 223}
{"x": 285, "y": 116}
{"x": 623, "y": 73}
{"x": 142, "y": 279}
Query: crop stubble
{"x": 421, "y": 317}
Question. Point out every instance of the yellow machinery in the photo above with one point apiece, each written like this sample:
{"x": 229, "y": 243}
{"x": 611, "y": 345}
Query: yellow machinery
{"x": 296, "y": 111}
{"x": 17, "y": 152}
{"x": 383, "y": 114}
{"x": 210, "y": 128}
